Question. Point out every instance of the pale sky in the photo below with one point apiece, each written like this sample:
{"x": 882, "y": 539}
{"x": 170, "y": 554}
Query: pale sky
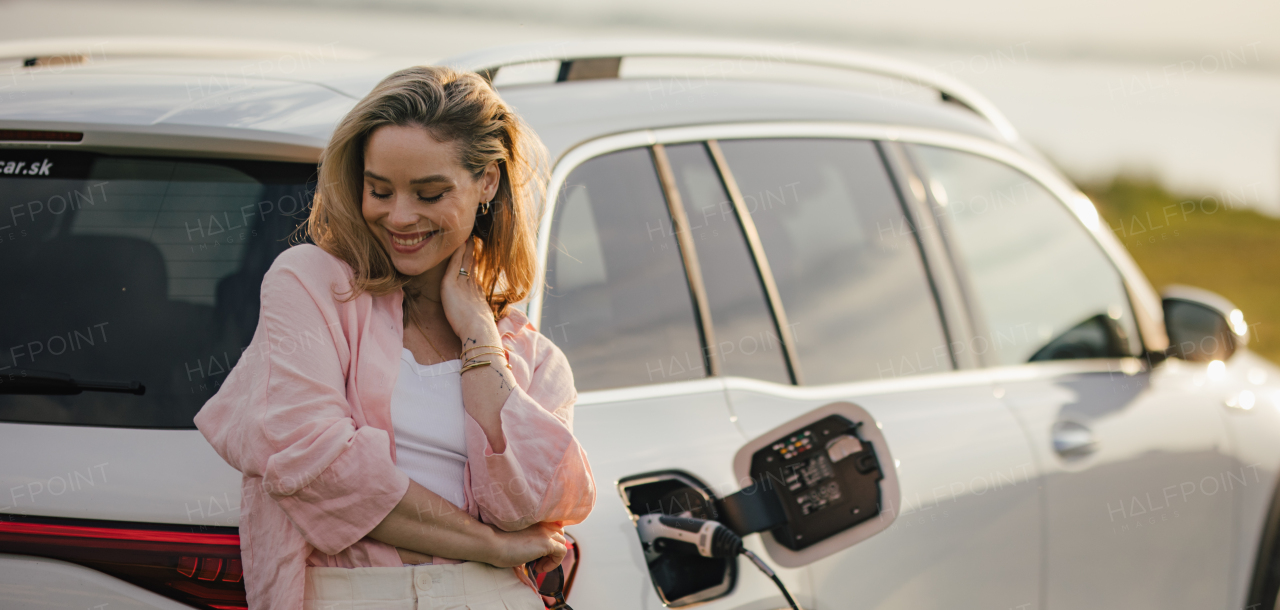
{"x": 1186, "y": 91}
{"x": 1156, "y": 30}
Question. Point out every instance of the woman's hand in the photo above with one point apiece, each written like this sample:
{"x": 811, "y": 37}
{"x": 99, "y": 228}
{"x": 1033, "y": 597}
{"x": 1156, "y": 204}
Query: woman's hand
{"x": 464, "y": 302}
{"x": 483, "y": 392}
{"x": 544, "y": 542}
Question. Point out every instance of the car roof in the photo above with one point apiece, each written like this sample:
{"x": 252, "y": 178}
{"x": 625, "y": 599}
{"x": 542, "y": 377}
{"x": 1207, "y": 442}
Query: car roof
{"x": 565, "y": 114}
{"x": 270, "y": 109}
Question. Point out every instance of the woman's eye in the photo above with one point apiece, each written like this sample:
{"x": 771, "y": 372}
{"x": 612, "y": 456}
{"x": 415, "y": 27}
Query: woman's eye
{"x": 373, "y": 192}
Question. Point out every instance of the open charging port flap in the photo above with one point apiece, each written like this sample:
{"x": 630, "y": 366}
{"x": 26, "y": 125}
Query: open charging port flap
{"x": 820, "y": 483}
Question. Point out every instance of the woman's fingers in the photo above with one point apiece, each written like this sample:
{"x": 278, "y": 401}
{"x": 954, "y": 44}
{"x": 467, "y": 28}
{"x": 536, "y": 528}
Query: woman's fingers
{"x": 469, "y": 254}
{"x": 559, "y": 548}
{"x": 462, "y": 259}
{"x": 464, "y": 302}
{"x": 549, "y": 562}
{"x": 448, "y": 282}
{"x": 455, "y": 261}
{"x": 536, "y": 542}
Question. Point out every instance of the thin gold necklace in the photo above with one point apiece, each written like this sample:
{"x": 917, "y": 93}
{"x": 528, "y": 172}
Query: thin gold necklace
{"x": 414, "y": 320}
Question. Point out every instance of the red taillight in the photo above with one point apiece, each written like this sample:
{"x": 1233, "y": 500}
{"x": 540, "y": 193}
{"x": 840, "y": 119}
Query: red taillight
{"x": 210, "y": 568}
{"x": 192, "y": 564}
{"x": 234, "y": 572}
{"x": 31, "y": 135}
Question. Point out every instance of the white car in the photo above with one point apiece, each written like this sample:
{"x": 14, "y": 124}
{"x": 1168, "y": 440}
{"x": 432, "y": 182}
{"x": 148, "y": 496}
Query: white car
{"x": 738, "y": 237}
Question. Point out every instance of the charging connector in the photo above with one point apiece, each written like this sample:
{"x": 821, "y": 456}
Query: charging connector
{"x": 665, "y": 534}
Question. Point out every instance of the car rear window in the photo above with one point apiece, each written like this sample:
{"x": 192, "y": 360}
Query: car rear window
{"x": 148, "y": 269}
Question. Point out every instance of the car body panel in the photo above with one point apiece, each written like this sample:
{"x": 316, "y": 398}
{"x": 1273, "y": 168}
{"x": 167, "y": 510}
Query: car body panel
{"x": 683, "y": 426}
{"x": 1253, "y": 434}
{"x": 38, "y": 583}
{"x": 112, "y": 473}
{"x": 968, "y": 530}
{"x": 1125, "y": 514}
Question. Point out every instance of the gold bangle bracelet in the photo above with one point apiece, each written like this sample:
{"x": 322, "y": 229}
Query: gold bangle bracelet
{"x": 473, "y": 347}
{"x": 472, "y": 362}
{"x": 476, "y": 365}
{"x": 470, "y": 359}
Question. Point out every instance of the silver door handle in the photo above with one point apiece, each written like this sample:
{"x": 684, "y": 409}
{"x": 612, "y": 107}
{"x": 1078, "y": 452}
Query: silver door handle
{"x": 1071, "y": 439}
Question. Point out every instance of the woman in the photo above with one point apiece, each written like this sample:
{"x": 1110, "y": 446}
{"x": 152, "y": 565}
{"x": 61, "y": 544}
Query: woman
{"x": 404, "y": 433}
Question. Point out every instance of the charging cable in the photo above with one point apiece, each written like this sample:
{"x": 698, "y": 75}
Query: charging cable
{"x": 663, "y": 533}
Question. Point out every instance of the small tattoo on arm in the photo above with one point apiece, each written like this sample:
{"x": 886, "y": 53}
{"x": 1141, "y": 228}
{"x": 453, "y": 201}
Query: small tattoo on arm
{"x": 502, "y": 380}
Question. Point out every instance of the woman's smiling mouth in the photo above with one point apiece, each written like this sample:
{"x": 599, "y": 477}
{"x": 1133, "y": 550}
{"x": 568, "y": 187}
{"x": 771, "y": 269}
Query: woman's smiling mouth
{"x": 410, "y": 242}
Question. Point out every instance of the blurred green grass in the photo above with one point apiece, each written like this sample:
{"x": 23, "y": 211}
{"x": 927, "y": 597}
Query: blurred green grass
{"x": 1200, "y": 241}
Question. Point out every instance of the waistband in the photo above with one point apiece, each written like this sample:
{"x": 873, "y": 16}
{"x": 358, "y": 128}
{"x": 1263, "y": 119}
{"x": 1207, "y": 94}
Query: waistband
{"x": 467, "y": 579}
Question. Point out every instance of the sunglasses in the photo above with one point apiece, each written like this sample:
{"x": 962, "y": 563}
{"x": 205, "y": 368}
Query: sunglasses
{"x": 550, "y": 584}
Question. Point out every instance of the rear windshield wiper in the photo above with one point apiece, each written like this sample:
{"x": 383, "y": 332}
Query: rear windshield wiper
{"x": 59, "y": 384}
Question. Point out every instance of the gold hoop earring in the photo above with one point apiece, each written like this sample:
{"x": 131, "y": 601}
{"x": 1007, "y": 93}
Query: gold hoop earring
{"x": 484, "y": 208}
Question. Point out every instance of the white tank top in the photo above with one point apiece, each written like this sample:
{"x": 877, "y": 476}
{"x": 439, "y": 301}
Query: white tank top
{"x": 427, "y": 418}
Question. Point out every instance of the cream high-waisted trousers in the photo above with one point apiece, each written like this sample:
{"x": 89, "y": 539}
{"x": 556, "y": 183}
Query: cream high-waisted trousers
{"x": 460, "y": 586}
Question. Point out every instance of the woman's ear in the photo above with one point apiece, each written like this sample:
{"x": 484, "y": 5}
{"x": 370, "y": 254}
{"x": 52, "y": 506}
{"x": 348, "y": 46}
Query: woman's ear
{"x": 489, "y": 181}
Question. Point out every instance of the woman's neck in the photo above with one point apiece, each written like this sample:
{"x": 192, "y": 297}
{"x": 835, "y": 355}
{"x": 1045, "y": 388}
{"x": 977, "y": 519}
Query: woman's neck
{"x": 425, "y": 286}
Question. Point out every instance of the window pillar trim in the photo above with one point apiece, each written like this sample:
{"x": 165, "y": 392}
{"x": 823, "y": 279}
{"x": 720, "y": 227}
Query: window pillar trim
{"x": 960, "y": 321}
{"x": 688, "y": 254}
{"x": 765, "y": 272}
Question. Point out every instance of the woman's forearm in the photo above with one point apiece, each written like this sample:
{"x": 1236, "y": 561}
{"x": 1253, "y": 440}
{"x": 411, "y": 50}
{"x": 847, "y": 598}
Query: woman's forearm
{"x": 485, "y": 389}
{"x": 426, "y": 523}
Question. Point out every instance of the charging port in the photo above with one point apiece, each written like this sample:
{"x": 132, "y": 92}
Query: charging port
{"x": 680, "y": 579}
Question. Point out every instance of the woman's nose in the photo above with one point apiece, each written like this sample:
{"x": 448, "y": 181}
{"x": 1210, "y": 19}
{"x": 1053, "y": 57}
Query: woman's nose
{"x": 402, "y": 213}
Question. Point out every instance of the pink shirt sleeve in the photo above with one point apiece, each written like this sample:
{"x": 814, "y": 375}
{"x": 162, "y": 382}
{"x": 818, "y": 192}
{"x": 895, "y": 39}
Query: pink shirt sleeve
{"x": 543, "y": 474}
{"x": 335, "y": 480}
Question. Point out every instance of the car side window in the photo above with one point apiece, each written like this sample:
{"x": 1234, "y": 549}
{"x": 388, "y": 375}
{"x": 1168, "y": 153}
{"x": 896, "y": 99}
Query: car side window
{"x": 617, "y": 299}
{"x": 1041, "y": 284}
{"x": 746, "y": 338}
{"x": 850, "y": 275}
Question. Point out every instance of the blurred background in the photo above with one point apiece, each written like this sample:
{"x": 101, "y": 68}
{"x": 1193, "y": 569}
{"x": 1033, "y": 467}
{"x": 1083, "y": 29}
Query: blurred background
{"x": 1166, "y": 113}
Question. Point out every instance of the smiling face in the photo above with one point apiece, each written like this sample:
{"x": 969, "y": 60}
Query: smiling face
{"x": 419, "y": 202}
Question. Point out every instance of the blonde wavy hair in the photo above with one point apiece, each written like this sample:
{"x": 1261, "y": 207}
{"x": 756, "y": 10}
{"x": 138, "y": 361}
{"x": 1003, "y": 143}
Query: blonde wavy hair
{"x": 457, "y": 107}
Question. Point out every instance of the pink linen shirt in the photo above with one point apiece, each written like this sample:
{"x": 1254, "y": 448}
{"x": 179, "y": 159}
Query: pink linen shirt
{"x": 305, "y": 416}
